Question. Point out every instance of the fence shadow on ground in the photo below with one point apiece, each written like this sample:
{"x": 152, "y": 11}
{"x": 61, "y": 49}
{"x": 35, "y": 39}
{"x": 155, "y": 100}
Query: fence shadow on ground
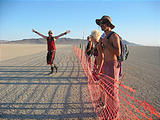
{"x": 28, "y": 93}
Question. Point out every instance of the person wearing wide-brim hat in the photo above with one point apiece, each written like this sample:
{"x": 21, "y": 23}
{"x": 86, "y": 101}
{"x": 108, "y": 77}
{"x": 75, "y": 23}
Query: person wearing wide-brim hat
{"x": 51, "y": 47}
{"x": 112, "y": 49}
{"x": 105, "y": 20}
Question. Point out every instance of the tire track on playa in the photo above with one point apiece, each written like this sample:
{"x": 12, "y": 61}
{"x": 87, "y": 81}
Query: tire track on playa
{"x": 21, "y": 59}
{"x": 82, "y": 104}
{"x": 8, "y": 92}
{"x": 69, "y": 98}
{"x": 42, "y": 94}
{"x": 68, "y": 92}
{"x": 56, "y": 89}
{"x": 80, "y": 98}
{"x": 15, "y": 89}
{"x": 31, "y": 63}
{"x": 32, "y": 94}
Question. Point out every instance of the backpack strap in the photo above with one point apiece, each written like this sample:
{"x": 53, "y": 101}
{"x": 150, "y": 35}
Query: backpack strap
{"x": 109, "y": 35}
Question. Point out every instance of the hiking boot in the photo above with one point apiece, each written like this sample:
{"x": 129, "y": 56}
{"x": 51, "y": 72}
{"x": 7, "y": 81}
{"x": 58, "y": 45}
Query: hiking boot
{"x": 52, "y": 70}
{"x": 56, "y": 68}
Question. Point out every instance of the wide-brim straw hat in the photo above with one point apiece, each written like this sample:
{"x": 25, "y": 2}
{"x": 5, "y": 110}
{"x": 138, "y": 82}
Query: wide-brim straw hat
{"x": 104, "y": 20}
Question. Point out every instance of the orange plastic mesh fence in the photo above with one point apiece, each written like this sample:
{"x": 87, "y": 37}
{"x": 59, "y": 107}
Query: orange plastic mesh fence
{"x": 111, "y": 99}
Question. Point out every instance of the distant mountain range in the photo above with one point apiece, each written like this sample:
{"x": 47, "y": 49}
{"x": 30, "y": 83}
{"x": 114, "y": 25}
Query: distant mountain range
{"x": 41, "y": 41}
{"x": 58, "y": 41}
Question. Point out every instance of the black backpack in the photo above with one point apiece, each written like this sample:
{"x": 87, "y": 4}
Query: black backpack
{"x": 124, "y": 48}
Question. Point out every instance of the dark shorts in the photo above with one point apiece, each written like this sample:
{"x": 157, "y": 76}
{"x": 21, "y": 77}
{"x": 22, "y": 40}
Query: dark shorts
{"x": 50, "y": 57}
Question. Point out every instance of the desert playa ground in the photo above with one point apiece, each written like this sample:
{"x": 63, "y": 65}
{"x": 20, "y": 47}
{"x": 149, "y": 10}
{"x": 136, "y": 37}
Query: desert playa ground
{"x": 143, "y": 73}
{"x": 28, "y": 92}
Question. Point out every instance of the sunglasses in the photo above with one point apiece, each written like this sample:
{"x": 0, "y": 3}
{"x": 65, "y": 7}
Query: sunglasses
{"x": 105, "y": 22}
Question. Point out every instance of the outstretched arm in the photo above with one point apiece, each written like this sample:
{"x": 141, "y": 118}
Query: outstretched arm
{"x": 56, "y": 37}
{"x": 45, "y": 37}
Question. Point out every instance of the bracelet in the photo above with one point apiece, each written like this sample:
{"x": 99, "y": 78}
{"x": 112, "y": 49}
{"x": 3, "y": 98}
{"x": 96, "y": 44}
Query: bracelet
{"x": 65, "y": 33}
{"x": 36, "y": 32}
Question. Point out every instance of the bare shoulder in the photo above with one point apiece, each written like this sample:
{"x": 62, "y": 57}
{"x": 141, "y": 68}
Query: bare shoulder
{"x": 115, "y": 36}
{"x": 115, "y": 40}
{"x": 54, "y": 38}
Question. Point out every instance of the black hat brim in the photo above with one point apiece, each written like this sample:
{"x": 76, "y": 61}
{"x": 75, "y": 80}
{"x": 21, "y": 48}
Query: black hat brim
{"x": 112, "y": 26}
{"x": 98, "y": 21}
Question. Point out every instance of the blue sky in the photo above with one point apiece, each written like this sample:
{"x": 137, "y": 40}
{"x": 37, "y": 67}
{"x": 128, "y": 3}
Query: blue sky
{"x": 137, "y": 21}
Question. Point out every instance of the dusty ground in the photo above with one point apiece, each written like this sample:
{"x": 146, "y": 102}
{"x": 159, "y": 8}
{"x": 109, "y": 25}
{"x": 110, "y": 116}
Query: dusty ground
{"x": 8, "y": 51}
{"x": 28, "y": 92}
{"x": 143, "y": 73}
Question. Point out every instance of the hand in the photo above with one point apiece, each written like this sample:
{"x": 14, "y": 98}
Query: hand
{"x": 100, "y": 74}
{"x": 33, "y": 30}
{"x": 68, "y": 31}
